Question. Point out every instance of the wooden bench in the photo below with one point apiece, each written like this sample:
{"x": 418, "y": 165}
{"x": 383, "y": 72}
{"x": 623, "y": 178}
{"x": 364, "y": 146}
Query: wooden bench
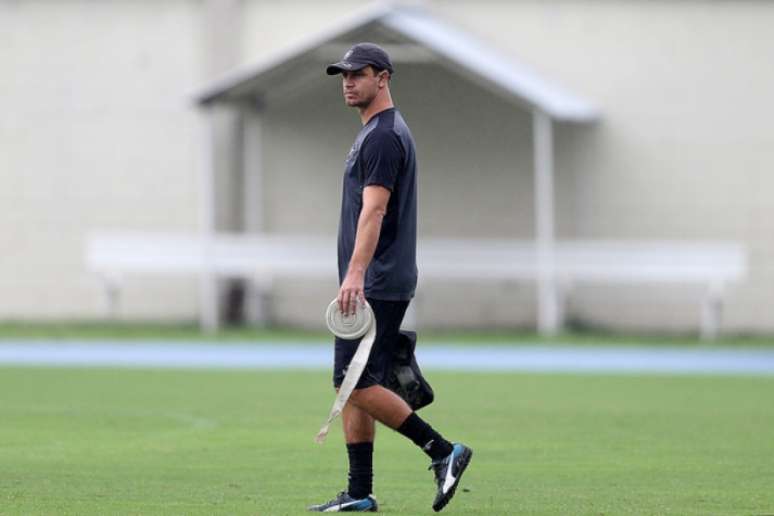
{"x": 261, "y": 258}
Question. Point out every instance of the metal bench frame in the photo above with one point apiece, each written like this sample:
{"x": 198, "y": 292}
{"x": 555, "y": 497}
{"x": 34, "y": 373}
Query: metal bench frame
{"x": 261, "y": 258}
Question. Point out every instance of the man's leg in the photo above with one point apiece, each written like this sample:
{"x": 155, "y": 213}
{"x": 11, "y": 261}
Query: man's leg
{"x": 449, "y": 461}
{"x": 359, "y": 427}
{"x": 375, "y": 402}
{"x": 391, "y": 410}
{"x": 359, "y": 433}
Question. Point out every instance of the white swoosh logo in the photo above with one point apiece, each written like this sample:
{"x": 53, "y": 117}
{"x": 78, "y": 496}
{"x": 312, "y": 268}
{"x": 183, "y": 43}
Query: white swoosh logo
{"x": 337, "y": 508}
{"x": 449, "y": 481}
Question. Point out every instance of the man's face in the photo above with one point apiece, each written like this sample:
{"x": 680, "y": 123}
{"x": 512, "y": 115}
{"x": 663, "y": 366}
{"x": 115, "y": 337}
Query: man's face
{"x": 361, "y": 86}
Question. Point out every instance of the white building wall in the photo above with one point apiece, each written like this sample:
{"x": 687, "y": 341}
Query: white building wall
{"x": 685, "y": 149}
{"x": 97, "y": 133}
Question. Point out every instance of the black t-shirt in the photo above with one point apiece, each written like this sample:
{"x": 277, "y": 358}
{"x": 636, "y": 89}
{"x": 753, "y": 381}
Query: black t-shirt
{"x": 383, "y": 154}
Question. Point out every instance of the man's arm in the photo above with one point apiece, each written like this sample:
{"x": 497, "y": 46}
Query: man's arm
{"x": 369, "y": 225}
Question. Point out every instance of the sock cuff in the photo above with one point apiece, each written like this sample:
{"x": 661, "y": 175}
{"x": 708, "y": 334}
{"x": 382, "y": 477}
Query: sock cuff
{"x": 424, "y": 436}
{"x": 409, "y": 422}
{"x": 364, "y": 446}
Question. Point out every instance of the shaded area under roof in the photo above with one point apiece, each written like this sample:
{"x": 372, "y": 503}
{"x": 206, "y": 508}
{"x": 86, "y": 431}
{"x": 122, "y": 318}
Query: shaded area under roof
{"x": 409, "y": 34}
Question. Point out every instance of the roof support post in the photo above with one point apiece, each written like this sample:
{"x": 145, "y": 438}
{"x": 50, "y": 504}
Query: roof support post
{"x": 549, "y": 318}
{"x": 253, "y": 195}
{"x": 254, "y": 201}
{"x": 208, "y": 288}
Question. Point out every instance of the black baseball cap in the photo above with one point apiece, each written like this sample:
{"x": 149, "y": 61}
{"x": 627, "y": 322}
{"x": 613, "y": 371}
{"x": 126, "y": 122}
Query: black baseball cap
{"x": 360, "y": 56}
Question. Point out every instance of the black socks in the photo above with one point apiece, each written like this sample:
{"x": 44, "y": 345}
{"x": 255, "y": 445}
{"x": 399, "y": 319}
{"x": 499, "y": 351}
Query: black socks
{"x": 425, "y": 437}
{"x": 361, "y": 472}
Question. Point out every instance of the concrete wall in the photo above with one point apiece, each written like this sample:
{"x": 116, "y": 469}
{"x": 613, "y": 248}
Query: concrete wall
{"x": 678, "y": 154}
{"x": 97, "y": 133}
{"x": 685, "y": 149}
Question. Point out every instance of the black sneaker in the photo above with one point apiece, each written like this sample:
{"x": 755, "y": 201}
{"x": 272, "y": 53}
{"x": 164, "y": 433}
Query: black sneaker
{"x": 448, "y": 472}
{"x": 345, "y": 503}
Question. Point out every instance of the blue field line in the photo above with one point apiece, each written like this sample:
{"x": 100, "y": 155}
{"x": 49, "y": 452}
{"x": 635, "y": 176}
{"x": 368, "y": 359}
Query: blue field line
{"x": 317, "y": 356}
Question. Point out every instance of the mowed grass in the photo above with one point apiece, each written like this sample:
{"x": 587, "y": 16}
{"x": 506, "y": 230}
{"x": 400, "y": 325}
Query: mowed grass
{"x": 86, "y": 331}
{"x": 78, "y": 441}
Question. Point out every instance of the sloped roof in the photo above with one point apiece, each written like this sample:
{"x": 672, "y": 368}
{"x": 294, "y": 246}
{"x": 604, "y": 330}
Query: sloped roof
{"x": 386, "y": 23}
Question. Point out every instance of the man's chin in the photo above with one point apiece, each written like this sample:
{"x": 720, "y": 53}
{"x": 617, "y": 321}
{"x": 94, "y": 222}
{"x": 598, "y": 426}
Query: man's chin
{"x": 356, "y": 103}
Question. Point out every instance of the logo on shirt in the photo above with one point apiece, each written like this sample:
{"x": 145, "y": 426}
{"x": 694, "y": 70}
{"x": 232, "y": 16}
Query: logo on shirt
{"x": 352, "y": 153}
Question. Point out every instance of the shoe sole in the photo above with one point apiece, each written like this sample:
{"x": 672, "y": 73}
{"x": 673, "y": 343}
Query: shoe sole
{"x": 337, "y": 508}
{"x": 373, "y": 508}
{"x": 465, "y": 460}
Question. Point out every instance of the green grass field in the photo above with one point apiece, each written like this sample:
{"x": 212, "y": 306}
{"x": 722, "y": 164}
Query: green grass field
{"x": 98, "y": 330}
{"x": 78, "y": 441}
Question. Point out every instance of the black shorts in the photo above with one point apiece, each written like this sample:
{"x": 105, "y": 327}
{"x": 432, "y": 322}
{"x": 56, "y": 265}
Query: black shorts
{"x": 389, "y": 316}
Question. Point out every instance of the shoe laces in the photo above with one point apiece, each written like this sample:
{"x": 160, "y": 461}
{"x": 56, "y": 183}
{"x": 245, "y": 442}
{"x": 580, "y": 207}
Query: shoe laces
{"x": 438, "y": 467}
{"x": 338, "y": 497}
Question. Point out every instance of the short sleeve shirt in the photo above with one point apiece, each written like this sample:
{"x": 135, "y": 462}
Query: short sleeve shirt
{"x": 383, "y": 154}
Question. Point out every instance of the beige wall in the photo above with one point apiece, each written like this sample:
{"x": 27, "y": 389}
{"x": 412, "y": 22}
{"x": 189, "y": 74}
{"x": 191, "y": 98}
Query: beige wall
{"x": 97, "y": 133}
{"x": 678, "y": 154}
{"x": 685, "y": 149}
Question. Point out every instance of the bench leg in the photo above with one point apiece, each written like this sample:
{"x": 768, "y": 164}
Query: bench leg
{"x": 111, "y": 297}
{"x": 209, "y": 321}
{"x": 711, "y": 312}
{"x": 258, "y": 302}
{"x": 550, "y": 313}
{"x": 563, "y": 290}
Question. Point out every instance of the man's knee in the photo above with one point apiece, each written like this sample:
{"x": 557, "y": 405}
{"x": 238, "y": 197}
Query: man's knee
{"x": 359, "y": 428}
{"x": 362, "y": 396}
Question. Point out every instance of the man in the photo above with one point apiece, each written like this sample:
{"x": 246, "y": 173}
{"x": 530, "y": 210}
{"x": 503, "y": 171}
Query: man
{"x": 377, "y": 248}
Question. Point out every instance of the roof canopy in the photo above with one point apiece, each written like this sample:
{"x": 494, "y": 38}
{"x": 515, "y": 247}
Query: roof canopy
{"x": 409, "y": 34}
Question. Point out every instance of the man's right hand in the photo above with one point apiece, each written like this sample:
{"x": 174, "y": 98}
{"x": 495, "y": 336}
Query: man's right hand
{"x": 351, "y": 291}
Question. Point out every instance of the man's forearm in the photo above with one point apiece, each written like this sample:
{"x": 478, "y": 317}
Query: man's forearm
{"x": 369, "y": 226}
